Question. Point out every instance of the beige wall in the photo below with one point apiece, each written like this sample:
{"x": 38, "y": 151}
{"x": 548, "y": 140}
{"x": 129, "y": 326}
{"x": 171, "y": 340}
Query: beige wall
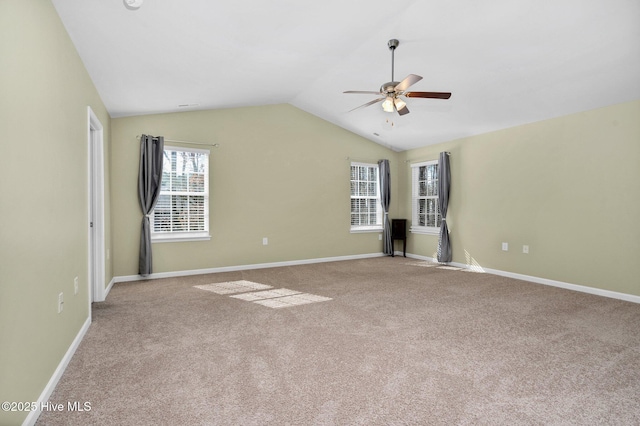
{"x": 279, "y": 173}
{"x": 568, "y": 187}
{"x": 44, "y": 94}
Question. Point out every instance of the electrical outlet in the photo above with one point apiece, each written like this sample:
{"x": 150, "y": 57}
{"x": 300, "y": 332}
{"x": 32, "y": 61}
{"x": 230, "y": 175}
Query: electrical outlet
{"x": 60, "y": 302}
{"x": 505, "y": 246}
{"x": 75, "y": 285}
{"x": 379, "y": 237}
{"x": 525, "y": 249}
{"x": 265, "y": 241}
{"x": 108, "y": 254}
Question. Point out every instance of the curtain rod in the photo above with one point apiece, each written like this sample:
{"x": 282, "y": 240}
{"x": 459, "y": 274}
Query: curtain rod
{"x": 357, "y": 160}
{"x": 215, "y": 145}
{"x": 422, "y": 161}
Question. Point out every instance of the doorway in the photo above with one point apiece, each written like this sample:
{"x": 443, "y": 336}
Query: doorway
{"x": 96, "y": 209}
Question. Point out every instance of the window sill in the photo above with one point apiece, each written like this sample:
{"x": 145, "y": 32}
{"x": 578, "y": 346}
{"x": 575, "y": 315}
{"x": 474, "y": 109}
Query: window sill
{"x": 179, "y": 238}
{"x": 424, "y": 230}
{"x": 364, "y": 230}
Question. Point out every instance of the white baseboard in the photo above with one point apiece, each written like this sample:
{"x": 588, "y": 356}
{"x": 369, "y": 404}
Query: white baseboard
{"x": 51, "y": 385}
{"x": 575, "y": 287}
{"x": 568, "y": 286}
{"x": 129, "y": 278}
{"x": 108, "y": 289}
{"x": 477, "y": 268}
{"x": 417, "y": 256}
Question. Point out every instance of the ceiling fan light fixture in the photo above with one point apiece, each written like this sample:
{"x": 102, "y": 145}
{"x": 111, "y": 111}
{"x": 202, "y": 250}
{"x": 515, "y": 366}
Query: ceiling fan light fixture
{"x": 387, "y": 105}
{"x": 399, "y": 103}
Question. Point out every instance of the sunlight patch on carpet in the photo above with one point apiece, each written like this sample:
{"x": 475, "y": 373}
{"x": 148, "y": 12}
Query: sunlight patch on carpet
{"x": 473, "y": 269}
{"x": 232, "y": 287}
{"x": 276, "y": 298}
{"x": 422, "y": 264}
{"x": 268, "y": 294}
{"x": 280, "y": 298}
{"x": 427, "y": 264}
{"x": 296, "y": 299}
{"x": 450, "y": 268}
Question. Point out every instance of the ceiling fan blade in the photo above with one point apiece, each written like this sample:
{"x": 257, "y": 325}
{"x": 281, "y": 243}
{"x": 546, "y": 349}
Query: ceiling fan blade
{"x": 375, "y": 101}
{"x": 368, "y": 92}
{"x": 408, "y": 81}
{"x": 435, "y": 95}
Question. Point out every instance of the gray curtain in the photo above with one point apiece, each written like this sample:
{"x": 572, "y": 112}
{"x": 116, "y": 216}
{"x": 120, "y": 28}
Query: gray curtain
{"x": 149, "y": 177}
{"x": 384, "y": 178}
{"x": 444, "y": 183}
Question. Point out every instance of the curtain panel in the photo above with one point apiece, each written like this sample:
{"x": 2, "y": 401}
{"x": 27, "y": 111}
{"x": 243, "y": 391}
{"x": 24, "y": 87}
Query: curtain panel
{"x": 149, "y": 178}
{"x": 444, "y": 184}
{"x": 384, "y": 177}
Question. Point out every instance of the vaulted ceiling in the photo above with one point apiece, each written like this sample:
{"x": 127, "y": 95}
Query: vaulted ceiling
{"x": 507, "y": 62}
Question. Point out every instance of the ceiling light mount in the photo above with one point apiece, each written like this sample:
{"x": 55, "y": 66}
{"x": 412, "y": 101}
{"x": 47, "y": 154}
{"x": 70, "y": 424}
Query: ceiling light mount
{"x": 132, "y": 4}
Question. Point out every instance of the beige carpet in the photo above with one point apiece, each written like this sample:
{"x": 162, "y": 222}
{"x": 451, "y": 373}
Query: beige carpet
{"x": 398, "y": 343}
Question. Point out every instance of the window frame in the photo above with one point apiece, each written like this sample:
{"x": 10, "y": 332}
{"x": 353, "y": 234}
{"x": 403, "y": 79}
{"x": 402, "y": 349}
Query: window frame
{"x": 179, "y": 236}
{"x": 416, "y": 228}
{"x": 379, "y": 215}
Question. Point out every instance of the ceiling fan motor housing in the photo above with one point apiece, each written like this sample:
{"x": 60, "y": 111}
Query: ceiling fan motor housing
{"x": 389, "y": 88}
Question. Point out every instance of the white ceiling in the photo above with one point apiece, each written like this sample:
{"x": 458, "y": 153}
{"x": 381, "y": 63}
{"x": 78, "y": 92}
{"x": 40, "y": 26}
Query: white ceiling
{"x": 507, "y": 62}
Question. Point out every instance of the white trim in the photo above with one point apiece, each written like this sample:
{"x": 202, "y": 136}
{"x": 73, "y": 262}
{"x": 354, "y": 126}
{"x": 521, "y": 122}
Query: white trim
{"x": 378, "y": 197}
{"x": 537, "y": 280}
{"x": 360, "y": 163}
{"x": 187, "y": 149}
{"x": 363, "y": 229}
{"x": 108, "y": 289}
{"x": 424, "y": 163}
{"x": 568, "y": 286}
{"x": 130, "y": 278}
{"x": 419, "y": 257}
{"x": 415, "y": 197}
{"x": 95, "y": 147}
{"x": 53, "y": 381}
{"x": 477, "y": 268}
{"x": 177, "y": 237}
{"x": 424, "y": 230}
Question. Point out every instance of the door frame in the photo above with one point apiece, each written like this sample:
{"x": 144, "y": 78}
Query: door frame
{"x": 96, "y": 280}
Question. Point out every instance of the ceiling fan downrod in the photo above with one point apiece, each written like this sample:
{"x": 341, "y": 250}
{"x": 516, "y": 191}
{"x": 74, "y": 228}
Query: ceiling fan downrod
{"x": 393, "y": 43}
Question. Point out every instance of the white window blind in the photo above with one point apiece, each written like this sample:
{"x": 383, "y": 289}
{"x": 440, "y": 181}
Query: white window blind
{"x": 366, "y": 210}
{"x": 425, "y": 216}
{"x": 182, "y": 210}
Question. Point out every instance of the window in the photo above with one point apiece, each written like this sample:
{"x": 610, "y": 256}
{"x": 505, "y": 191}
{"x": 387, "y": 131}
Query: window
{"x": 182, "y": 210}
{"x": 366, "y": 210}
{"x": 425, "y": 216}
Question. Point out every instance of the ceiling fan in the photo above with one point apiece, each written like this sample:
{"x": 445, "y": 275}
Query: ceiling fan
{"x": 393, "y": 90}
